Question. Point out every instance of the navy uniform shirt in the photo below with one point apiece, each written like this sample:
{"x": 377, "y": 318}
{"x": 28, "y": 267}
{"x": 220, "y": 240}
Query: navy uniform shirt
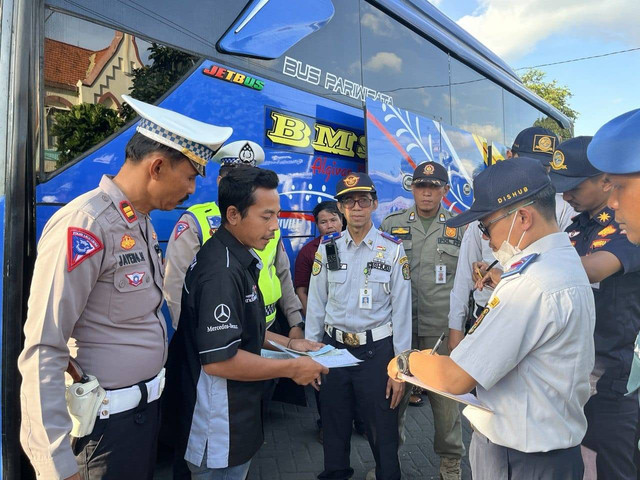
{"x": 222, "y": 311}
{"x": 617, "y": 297}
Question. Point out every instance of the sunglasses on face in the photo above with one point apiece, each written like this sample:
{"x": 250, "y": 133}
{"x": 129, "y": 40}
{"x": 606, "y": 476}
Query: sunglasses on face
{"x": 364, "y": 202}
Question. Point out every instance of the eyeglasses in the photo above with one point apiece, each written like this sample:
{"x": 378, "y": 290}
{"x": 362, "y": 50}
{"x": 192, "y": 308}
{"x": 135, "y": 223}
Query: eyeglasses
{"x": 364, "y": 202}
{"x": 485, "y": 228}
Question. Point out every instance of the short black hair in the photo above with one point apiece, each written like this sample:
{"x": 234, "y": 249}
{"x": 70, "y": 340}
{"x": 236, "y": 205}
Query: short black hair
{"x": 544, "y": 202}
{"x": 140, "y": 146}
{"x": 330, "y": 206}
{"x": 238, "y": 186}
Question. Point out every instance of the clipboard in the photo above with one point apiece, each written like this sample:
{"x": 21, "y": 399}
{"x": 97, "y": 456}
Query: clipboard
{"x": 466, "y": 399}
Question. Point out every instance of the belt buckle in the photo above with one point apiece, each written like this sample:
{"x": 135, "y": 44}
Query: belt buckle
{"x": 350, "y": 339}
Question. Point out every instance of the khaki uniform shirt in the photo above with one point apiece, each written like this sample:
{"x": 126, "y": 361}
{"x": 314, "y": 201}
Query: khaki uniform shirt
{"x": 440, "y": 245}
{"x": 183, "y": 245}
{"x": 96, "y": 295}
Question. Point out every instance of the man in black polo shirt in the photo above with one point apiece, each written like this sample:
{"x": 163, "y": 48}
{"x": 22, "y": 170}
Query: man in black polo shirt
{"x": 612, "y": 264}
{"x": 215, "y": 368}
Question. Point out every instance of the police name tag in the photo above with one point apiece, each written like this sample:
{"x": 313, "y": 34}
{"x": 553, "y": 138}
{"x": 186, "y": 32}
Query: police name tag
{"x": 365, "y": 298}
{"x": 441, "y": 274}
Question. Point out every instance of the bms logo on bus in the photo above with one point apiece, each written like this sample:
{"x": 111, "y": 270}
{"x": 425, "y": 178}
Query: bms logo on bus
{"x": 295, "y": 131}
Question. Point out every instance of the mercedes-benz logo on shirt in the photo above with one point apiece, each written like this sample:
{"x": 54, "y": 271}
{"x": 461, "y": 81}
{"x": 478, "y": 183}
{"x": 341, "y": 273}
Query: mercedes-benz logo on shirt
{"x": 222, "y": 313}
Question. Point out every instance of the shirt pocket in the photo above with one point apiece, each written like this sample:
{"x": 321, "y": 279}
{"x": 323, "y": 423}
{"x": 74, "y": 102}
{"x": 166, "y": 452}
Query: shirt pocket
{"x": 135, "y": 294}
{"x": 377, "y": 280}
{"x": 448, "y": 255}
{"x": 336, "y": 280}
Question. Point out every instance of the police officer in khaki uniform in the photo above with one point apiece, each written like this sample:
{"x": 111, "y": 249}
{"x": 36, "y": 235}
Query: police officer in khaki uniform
{"x": 95, "y": 297}
{"x": 432, "y": 248}
{"x": 201, "y": 221}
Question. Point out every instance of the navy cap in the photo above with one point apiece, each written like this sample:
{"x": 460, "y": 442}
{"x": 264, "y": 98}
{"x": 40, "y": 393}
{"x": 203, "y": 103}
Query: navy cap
{"x": 354, "y": 182}
{"x": 502, "y": 184}
{"x": 615, "y": 148}
{"x": 536, "y": 142}
{"x": 570, "y": 167}
{"x": 430, "y": 172}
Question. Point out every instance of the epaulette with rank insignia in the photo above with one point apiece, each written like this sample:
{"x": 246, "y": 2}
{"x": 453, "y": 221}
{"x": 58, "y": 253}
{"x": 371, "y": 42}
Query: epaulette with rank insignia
{"x": 520, "y": 265}
{"x": 331, "y": 236}
{"x": 388, "y": 236}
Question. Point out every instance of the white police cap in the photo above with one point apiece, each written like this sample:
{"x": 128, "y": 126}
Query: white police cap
{"x": 196, "y": 140}
{"x": 242, "y": 152}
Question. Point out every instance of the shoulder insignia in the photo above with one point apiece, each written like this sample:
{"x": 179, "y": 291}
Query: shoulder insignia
{"x": 608, "y": 230}
{"x": 128, "y": 211}
{"x": 390, "y": 237}
{"x": 412, "y": 216}
{"x": 441, "y": 218}
{"x": 154, "y": 235}
{"x": 81, "y": 244}
{"x": 181, "y": 227}
{"x": 604, "y": 217}
{"x": 599, "y": 243}
{"x": 331, "y": 236}
{"x": 403, "y": 260}
{"x": 127, "y": 242}
{"x": 520, "y": 265}
{"x": 493, "y": 303}
{"x": 317, "y": 256}
{"x": 478, "y": 320}
{"x": 400, "y": 230}
{"x": 317, "y": 267}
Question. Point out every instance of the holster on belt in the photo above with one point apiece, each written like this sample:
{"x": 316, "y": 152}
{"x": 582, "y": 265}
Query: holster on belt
{"x": 84, "y": 398}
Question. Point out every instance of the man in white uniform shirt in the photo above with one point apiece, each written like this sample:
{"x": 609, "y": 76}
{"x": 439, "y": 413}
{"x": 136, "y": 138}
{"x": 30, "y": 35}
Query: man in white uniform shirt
{"x": 530, "y": 352}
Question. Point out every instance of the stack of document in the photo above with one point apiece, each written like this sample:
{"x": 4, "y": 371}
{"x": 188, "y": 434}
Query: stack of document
{"x": 327, "y": 356}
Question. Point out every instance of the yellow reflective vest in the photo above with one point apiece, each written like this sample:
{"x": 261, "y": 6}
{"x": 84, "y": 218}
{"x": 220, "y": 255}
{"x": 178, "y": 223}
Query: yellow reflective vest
{"x": 208, "y": 218}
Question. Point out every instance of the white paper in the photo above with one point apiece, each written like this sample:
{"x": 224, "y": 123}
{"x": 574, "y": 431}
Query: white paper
{"x": 327, "y": 356}
{"x": 466, "y": 398}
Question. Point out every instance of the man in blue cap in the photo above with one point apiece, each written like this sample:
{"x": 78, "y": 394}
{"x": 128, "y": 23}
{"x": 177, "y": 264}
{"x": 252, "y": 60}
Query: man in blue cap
{"x": 615, "y": 149}
{"x": 530, "y": 352}
{"x": 612, "y": 264}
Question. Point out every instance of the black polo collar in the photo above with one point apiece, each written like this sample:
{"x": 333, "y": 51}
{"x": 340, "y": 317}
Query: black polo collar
{"x": 238, "y": 250}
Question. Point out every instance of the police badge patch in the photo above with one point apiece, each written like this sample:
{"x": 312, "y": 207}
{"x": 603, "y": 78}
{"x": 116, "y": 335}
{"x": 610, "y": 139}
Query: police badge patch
{"x": 135, "y": 278}
{"x": 181, "y": 227}
{"x": 81, "y": 244}
{"x": 317, "y": 267}
{"x": 406, "y": 271}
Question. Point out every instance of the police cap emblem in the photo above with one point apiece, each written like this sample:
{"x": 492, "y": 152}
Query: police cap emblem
{"x": 351, "y": 180}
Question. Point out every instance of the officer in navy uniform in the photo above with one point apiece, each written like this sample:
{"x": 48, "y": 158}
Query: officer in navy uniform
{"x": 360, "y": 299}
{"x": 612, "y": 264}
{"x": 530, "y": 352}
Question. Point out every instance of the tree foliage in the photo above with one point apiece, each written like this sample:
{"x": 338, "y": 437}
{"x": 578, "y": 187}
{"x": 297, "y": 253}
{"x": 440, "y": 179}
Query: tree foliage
{"x": 82, "y": 127}
{"x": 556, "y": 95}
{"x": 151, "y": 82}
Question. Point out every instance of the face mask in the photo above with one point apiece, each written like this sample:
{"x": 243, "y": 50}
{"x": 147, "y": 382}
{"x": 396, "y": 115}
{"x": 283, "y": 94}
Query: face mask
{"x": 507, "y": 251}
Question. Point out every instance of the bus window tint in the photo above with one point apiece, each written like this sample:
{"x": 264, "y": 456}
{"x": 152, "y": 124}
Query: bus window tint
{"x": 87, "y": 68}
{"x": 326, "y": 62}
{"x": 519, "y": 115}
{"x": 404, "y": 65}
{"x": 476, "y": 103}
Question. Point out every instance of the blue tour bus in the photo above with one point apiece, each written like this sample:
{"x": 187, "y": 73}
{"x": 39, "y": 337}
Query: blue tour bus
{"x": 326, "y": 87}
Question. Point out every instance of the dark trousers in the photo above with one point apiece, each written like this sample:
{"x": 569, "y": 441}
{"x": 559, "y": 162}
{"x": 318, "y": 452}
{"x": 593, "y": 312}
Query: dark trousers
{"x": 495, "y": 462}
{"x": 611, "y": 433}
{"x": 120, "y": 447}
{"x": 362, "y": 387}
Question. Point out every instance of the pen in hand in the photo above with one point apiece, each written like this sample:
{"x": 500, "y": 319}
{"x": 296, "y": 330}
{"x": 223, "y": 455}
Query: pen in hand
{"x": 437, "y": 345}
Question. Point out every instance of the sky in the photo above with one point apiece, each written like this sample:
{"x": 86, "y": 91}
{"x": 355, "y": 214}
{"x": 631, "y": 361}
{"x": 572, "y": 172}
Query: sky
{"x": 533, "y": 32}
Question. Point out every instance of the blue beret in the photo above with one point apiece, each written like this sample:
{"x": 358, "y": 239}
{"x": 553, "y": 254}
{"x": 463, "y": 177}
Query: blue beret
{"x": 615, "y": 148}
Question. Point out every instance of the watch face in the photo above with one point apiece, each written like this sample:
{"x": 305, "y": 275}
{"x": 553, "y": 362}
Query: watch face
{"x": 403, "y": 364}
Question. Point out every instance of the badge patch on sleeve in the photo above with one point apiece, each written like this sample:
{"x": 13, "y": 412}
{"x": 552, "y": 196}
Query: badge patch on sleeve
{"x": 406, "y": 271}
{"x": 81, "y": 244}
{"x": 135, "y": 278}
{"x": 317, "y": 267}
{"x": 127, "y": 242}
{"x": 181, "y": 227}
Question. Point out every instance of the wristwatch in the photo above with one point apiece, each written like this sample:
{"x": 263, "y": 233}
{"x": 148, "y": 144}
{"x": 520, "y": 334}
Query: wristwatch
{"x": 403, "y": 361}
